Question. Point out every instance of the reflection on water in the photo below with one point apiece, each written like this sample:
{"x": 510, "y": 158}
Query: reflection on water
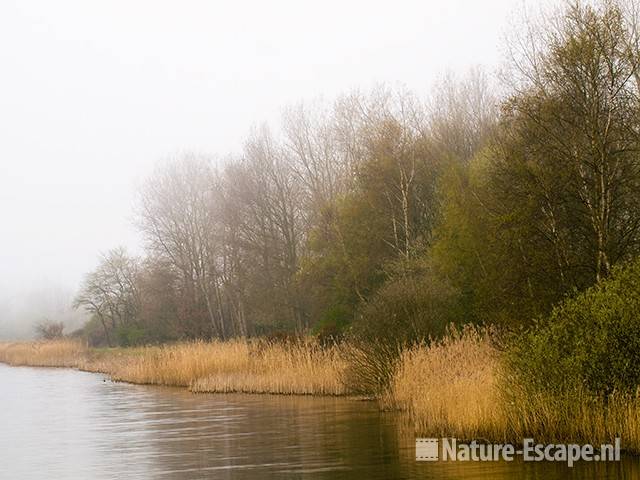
{"x": 63, "y": 424}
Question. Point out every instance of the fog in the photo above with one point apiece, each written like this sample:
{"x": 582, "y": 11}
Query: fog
{"x": 93, "y": 93}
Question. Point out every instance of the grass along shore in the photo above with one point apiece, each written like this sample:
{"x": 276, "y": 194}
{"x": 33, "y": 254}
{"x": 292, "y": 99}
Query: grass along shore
{"x": 233, "y": 366}
{"x": 454, "y": 387}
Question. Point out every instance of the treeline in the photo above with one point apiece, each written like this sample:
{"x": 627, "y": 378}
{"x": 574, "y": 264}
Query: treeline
{"x": 390, "y": 217}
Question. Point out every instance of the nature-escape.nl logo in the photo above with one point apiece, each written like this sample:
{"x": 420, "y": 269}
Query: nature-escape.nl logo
{"x": 449, "y": 449}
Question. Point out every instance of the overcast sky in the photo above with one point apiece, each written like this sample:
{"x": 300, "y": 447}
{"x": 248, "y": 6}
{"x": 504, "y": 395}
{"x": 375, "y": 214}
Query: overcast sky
{"x": 92, "y": 93}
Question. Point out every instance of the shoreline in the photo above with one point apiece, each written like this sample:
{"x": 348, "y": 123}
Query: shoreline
{"x": 447, "y": 389}
{"x": 481, "y": 441}
{"x": 201, "y": 367}
{"x": 355, "y": 398}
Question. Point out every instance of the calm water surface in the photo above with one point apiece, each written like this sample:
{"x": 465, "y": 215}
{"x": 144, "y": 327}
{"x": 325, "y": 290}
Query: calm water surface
{"x": 64, "y": 424}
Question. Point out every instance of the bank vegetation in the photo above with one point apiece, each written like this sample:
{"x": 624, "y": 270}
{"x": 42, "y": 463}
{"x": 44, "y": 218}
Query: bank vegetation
{"x": 470, "y": 258}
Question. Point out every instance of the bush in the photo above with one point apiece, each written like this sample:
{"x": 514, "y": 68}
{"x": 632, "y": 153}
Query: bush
{"x": 130, "y": 335}
{"x": 590, "y": 342}
{"x": 333, "y": 324}
{"x": 370, "y": 366}
{"x": 414, "y": 305}
{"x": 48, "y": 330}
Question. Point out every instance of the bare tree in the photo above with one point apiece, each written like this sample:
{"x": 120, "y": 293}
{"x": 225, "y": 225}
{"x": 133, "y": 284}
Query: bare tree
{"x": 265, "y": 225}
{"x": 177, "y": 215}
{"x": 311, "y": 148}
{"x": 110, "y": 292}
{"x": 48, "y": 330}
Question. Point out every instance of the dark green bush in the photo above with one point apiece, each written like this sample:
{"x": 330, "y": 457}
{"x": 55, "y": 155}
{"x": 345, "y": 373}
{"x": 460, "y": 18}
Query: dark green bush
{"x": 591, "y": 341}
{"x": 130, "y": 335}
{"x": 415, "y": 304}
{"x": 333, "y": 324}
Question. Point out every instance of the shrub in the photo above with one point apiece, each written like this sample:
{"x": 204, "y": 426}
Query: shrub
{"x": 48, "y": 330}
{"x": 414, "y": 306}
{"x": 590, "y": 342}
{"x": 370, "y": 366}
{"x": 130, "y": 335}
{"x": 333, "y": 324}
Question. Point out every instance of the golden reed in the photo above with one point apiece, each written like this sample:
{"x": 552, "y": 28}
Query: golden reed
{"x": 55, "y": 353}
{"x": 257, "y": 366}
{"x": 456, "y": 388}
{"x": 452, "y": 387}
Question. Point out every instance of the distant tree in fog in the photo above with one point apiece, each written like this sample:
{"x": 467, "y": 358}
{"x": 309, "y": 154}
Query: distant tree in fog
{"x": 110, "y": 292}
{"x": 49, "y": 330}
{"x": 177, "y": 216}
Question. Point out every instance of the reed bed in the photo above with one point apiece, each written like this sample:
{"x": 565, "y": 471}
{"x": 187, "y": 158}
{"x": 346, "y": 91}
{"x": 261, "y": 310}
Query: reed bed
{"x": 258, "y": 366}
{"x": 54, "y": 353}
{"x": 450, "y": 387}
{"x": 232, "y": 366}
{"x": 457, "y": 387}
{"x": 173, "y": 365}
{"x": 453, "y": 387}
{"x": 576, "y": 417}
{"x": 303, "y": 368}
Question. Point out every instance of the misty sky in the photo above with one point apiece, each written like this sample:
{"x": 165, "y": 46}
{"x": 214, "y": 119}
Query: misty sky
{"x": 92, "y": 93}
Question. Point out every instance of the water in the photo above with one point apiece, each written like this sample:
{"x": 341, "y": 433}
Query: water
{"x": 64, "y": 424}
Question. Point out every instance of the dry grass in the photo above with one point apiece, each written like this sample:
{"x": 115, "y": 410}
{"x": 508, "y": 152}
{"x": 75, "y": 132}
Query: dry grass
{"x": 54, "y": 353}
{"x": 456, "y": 388}
{"x": 172, "y": 365}
{"x": 576, "y": 417}
{"x": 233, "y": 366}
{"x": 450, "y": 387}
{"x": 292, "y": 368}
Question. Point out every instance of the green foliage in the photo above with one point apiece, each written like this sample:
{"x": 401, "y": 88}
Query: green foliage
{"x": 551, "y": 201}
{"x": 414, "y": 304}
{"x": 130, "y": 335}
{"x": 385, "y": 218}
{"x": 591, "y": 341}
{"x": 489, "y": 249}
{"x": 333, "y": 324}
{"x": 347, "y": 251}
